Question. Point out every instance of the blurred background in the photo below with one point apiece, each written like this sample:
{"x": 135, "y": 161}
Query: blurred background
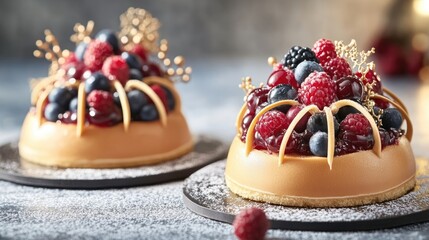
{"x": 223, "y": 41}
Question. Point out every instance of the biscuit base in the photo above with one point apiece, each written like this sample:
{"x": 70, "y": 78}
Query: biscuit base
{"x": 348, "y": 201}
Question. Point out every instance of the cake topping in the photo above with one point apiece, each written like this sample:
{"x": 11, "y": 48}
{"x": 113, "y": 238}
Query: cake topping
{"x": 106, "y": 67}
{"x": 340, "y": 106}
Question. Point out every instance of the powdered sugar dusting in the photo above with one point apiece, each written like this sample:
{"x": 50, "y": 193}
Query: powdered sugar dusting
{"x": 208, "y": 188}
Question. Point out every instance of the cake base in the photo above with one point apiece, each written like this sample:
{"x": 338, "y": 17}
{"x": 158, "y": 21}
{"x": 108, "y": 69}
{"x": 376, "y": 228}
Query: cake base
{"x": 17, "y": 170}
{"x": 307, "y": 181}
{"x": 143, "y": 143}
{"x": 322, "y": 202}
{"x": 205, "y": 193}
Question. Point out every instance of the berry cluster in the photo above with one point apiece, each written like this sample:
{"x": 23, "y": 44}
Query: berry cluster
{"x": 319, "y": 77}
{"x": 97, "y": 64}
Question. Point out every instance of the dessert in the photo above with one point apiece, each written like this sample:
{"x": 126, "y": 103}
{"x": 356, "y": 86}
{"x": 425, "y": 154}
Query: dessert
{"x": 109, "y": 103}
{"x": 322, "y": 132}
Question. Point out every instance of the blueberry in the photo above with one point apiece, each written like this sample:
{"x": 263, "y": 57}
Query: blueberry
{"x": 52, "y": 111}
{"x": 391, "y": 118}
{"x": 344, "y": 111}
{"x": 80, "y": 50}
{"x": 132, "y": 60}
{"x": 60, "y": 95}
{"x": 282, "y": 92}
{"x": 149, "y": 113}
{"x": 110, "y": 37}
{"x": 97, "y": 81}
{"x": 170, "y": 98}
{"x": 135, "y": 74}
{"x": 73, "y": 105}
{"x": 319, "y": 144}
{"x": 304, "y": 69}
{"x": 317, "y": 122}
{"x": 137, "y": 100}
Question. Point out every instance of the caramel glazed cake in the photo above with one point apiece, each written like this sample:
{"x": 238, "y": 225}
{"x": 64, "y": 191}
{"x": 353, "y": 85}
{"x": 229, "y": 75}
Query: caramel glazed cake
{"x": 108, "y": 104}
{"x": 322, "y": 133}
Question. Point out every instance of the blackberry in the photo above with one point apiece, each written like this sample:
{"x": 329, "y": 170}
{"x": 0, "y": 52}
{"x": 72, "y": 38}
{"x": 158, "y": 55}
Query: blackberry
{"x": 298, "y": 54}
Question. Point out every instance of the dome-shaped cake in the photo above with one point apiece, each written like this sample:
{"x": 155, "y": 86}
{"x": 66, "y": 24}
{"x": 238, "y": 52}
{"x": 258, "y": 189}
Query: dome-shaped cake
{"x": 109, "y": 103}
{"x": 322, "y": 132}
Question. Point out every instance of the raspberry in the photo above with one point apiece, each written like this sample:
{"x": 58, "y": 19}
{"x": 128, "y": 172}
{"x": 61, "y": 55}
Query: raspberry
{"x": 356, "y": 123}
{"x": 271, "y": 123}
{"x": 318, "y": 89}
{"x": 115, "y": 67}
{"x": 372, "y": 78}
{"x": 101, "y": 101}
{"x": 337, "y": 68}
{"x": 282, "y": 76}
{"x": 251, "y": 224}
{"x": 95, "y": 54}
{"x": 324, "y": 50}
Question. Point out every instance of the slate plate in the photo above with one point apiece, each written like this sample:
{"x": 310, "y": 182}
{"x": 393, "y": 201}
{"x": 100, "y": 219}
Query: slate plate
{"x": 206, "y": 194}
{"x": 14, "y": 169}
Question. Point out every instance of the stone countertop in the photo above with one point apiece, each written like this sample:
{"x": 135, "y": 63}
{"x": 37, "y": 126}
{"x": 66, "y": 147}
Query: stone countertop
{"x": 211, "y": 102}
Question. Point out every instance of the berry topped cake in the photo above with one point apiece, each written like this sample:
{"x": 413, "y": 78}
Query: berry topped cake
{"x": 109, "y": 103}
{"x": 322, "y": 132}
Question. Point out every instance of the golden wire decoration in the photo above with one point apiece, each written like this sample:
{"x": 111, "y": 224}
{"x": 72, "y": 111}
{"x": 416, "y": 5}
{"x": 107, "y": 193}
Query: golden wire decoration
{"x": 246, "y": 85}
{"x": 176, "y": 69}
{"x": 51, "y": 51}
{"x": 138, "y": 27}
{"x": 359, "y": 59}
{"x": 361, "y": 64}
{"x": 82, "y": 33}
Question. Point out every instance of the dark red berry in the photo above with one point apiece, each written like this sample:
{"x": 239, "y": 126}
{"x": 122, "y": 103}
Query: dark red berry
{"x": 256, "y": 97}
{"x": 349, "y": 87}
{"x": 282, "y": 76}
{"x": 291, "y": 114}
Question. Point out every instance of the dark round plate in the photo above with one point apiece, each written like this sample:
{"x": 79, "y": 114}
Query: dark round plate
{"x": 14, "y": 169}
{"x": 206, "y": 194}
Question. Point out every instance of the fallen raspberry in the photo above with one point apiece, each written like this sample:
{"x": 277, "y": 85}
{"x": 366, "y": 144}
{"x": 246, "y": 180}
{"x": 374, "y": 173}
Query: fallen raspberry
{"x": 251, "y": 224}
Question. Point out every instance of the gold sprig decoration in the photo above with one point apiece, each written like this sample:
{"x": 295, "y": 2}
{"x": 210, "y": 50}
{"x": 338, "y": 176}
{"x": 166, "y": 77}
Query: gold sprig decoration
{"x": 359, "y": 59}
{"x": 361, "y": 64}
{"x": 246, "y": 85}
{"x": 138, "y": 27}
{"x": 176, "y": 69}
{"x": 51, "y": 51}
{"x": 82, "y": 33}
